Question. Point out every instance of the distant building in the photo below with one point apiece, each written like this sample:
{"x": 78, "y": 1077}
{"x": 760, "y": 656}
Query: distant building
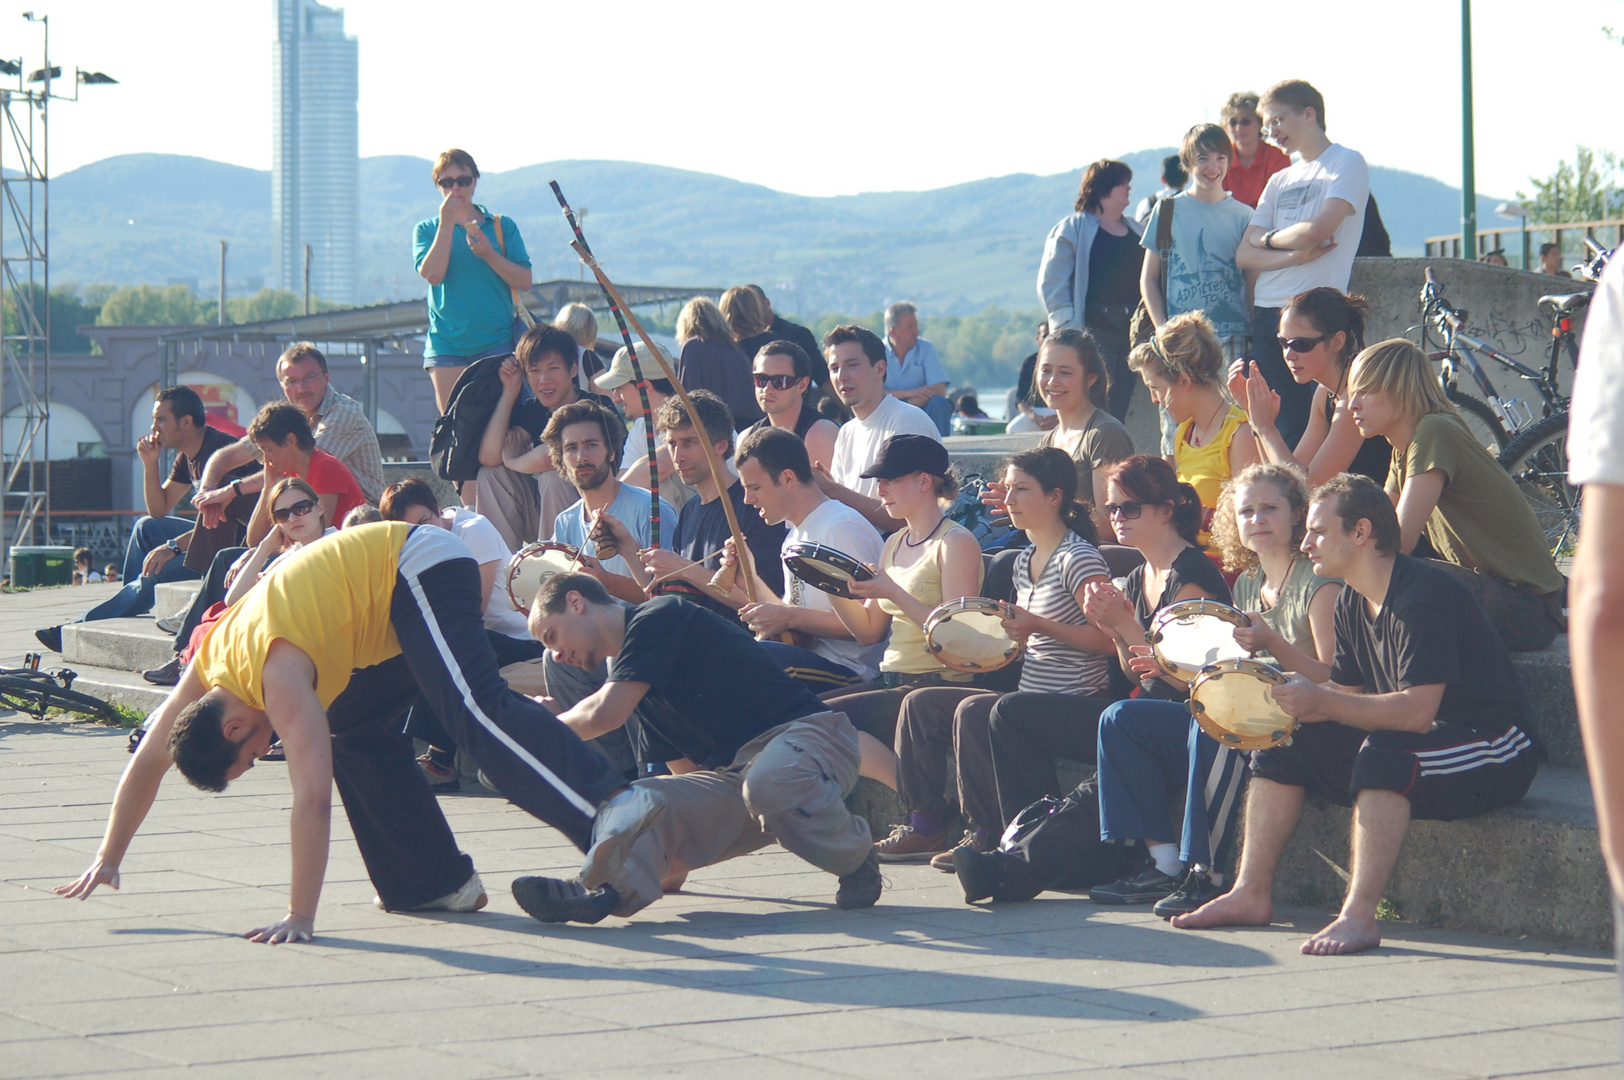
{"x": 315, "y": 149}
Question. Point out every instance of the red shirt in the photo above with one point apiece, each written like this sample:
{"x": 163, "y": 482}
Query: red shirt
{"x": 330, "y": 476}
{"x": 1247, "y": 183}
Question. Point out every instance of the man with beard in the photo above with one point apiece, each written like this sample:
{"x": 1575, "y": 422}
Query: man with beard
{"x": 585, "y": 439}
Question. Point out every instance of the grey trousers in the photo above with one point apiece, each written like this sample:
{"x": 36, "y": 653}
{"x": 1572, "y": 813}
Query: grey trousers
{"x": 788, "y": 784}
{"x": 521, "y": 506}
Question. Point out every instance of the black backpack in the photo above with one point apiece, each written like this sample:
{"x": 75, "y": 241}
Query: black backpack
{"x": 454, "y": 446}
{"x": 1055, "y": 844}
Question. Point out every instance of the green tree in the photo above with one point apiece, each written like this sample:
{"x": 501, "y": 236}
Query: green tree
{"x": 1586, "y": 189}
{"x": 69, "y": 311}
{"x": 149, "y": 305}
{"x": 270, "y": 304}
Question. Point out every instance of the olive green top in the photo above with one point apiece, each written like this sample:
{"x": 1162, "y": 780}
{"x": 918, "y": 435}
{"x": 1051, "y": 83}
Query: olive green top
{"x": 1289, "y": 615}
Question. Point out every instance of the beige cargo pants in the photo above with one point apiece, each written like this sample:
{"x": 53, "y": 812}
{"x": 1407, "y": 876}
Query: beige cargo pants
{"x": 789, "y": 784}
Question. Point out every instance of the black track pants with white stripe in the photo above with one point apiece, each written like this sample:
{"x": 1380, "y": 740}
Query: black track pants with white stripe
{"x": 1450, "y": 772}
{"x": 533, "y": 759}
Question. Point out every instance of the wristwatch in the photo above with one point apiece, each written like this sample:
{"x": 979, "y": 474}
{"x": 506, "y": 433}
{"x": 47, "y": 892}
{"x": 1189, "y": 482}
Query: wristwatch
{"x": 236, "y": 487}
{"x": 173, "y": 545}
{"x": 1268, "y": 239}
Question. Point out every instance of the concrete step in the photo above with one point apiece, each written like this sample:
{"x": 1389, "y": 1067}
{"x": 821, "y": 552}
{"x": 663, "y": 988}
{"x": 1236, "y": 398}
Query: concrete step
{"x": 173, "y": 597}
{"x": 119, "y": 687}
{"x": 1554, "y": 715}
{"x": 119, "y": 644}
{"x": 1531, "y": 869}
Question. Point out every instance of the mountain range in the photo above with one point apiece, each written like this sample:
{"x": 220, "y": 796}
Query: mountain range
{"x": 158, "y": 218}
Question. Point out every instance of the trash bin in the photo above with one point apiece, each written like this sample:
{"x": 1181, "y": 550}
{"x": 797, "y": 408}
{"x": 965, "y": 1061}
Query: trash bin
{"x": 32, "y": 566}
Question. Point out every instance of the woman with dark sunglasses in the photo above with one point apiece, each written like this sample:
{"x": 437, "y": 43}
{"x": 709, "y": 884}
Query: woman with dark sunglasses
{"x": 476, "y": 265}
{"x": 300, "y": 520}
{"x": 1321, "y": 331}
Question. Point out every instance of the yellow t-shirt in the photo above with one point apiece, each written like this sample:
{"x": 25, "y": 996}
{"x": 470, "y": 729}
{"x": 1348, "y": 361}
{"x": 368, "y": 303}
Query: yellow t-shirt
{"x": 906, "y": 652}
{"x": 1205, "y": 468}
{"x": 331, "y": 600}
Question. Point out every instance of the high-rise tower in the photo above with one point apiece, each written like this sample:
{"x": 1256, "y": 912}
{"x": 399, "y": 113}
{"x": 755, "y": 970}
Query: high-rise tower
{"x": 315, "y": 150}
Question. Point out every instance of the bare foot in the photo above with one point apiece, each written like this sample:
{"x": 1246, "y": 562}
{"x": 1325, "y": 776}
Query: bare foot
{"x": 1234, "y": 908}
{"x": 1346, "y": 935}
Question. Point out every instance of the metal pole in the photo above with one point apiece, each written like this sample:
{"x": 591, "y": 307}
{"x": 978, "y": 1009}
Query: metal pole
{"x": 222, "y": 319}
{"x": 1468, "y": 171}
{"x": 1525, "y": 248}
{"x": 45, "y": 277}
{"x": 307, "y": 280}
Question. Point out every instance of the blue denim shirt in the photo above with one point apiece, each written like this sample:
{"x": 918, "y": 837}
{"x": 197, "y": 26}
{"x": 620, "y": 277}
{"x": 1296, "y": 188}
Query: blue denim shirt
{"x": 921, "y": 367}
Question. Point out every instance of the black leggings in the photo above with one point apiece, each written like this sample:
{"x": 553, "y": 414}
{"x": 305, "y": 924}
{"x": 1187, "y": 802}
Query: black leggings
{"x": 1030, "y": 732}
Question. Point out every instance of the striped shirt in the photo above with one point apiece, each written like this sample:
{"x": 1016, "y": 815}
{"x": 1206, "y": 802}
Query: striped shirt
{"x": 341, "y": 429}
{"x": 1052, "y": 666}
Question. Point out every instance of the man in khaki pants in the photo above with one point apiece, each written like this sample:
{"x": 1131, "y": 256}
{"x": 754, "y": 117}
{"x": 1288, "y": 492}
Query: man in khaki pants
{"x": 754, "y": 756}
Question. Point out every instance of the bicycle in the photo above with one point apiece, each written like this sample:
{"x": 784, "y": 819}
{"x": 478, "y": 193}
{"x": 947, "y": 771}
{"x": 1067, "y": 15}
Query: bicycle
{"x": 1498, "y": 421}
{"x": 29, "y": 690}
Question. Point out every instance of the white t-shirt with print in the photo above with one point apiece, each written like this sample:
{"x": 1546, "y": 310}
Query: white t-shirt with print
{"x": 1596, "y": 423}
{"x": 836, "y": 525}
{"x": 1298, "y": 193}
{"x": 487, "y": 545}
{"x": 859, "y": 441}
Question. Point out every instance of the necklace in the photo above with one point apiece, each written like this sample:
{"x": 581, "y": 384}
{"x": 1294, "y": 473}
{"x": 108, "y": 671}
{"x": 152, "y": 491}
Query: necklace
{"x": 1223, "y": 406}
{"x": 928, "y": 535}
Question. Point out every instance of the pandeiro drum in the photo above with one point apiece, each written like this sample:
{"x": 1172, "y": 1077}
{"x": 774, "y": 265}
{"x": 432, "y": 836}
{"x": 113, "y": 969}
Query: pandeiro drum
{"x": 1233, "y": 701}
{"x": 533, "y": 564}
{"x": 968, "y": 634}
{"x": 1189, "y": 635}
{"x": 824, "y": 568}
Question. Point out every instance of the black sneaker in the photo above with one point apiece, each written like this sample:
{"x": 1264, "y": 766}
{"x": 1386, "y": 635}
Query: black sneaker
{"x": 861, "y": 888}
{"x": 1196, "y": 889}
{"x": 50, "y": 637}
{"x": 1145, "y": 887}
{"x": 167, "y": 675}
{"x": 554, "y": 900}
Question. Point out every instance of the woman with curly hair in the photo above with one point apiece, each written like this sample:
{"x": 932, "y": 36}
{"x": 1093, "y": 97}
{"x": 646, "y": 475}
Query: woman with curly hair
{"x": 1149, "y": 748}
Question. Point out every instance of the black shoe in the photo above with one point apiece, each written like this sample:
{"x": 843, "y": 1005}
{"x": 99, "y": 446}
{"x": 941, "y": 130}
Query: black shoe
{"x": 978, "y": 872}
{"x": 168, "y": 675}
{"x": 1146, "y": 887}
{"x": 50, "y": 637}
{"x": 554, "y": 900}
{"x": 861, "y": 888}
{"x": 1196, "y": 889}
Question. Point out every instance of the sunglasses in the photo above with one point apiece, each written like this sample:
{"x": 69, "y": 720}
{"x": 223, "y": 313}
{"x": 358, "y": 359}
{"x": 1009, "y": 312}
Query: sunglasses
{"x": 1300, "y": 344}
{"x": 1127, "y": 511}
{"x": 446, "y": 183}
{"x": 298, "y": 509}
{"x": 777, "y": 382}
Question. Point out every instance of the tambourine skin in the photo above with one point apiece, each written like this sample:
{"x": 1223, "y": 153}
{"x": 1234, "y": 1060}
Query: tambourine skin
{"x": 532, "y": 565}
{"x": 825, "y": 568}
{"x": 1233, "y": 701}
{"x": 1191, "y": 634}
{"x": 967, "y": 634}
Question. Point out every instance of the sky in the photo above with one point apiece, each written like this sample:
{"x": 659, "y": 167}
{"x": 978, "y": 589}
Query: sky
{"x": 837, "y": 97}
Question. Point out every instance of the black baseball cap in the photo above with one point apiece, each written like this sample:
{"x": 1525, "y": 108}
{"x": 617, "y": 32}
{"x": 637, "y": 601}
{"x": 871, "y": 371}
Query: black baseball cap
{"x": 903, "y": 454}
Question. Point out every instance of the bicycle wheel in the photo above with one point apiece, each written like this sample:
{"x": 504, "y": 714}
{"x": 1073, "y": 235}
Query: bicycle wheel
{"x": 1538, "y": 462}
{"x": 39, "y": 694}
{"x": 1484, "y": 425}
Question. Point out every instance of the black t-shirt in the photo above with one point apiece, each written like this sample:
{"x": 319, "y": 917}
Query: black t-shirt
{"x": 532, "y": 415}
{"x": 1113, "y": 277}
{"x": 1430, "y": 630}
{"x": 190, "y": 470}
{"x": 722, "y": 688}
{"x": 1192, "y": 567}
{"x": 1025, "y": 385}
{"x": 803, "y": 422}
{"x": 784, "y": 330}
{"x": 1375, "y": 456}
{"x": 702, "y": 529}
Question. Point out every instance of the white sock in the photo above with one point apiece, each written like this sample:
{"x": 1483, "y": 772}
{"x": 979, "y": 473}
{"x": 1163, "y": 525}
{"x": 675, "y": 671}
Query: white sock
{"x": 1166, "y": 858}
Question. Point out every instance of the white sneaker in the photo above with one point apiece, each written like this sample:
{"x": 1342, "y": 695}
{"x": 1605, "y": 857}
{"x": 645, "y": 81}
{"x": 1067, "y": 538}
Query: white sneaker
{"x": 471, "y": 897}
{"x": 171, "y": 624}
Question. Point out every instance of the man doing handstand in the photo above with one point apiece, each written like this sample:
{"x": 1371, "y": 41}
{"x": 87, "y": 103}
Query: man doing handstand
{"x": 1419, "y": 719}
{"x": 754, "y": 756}
{"x": 328, "y": 651}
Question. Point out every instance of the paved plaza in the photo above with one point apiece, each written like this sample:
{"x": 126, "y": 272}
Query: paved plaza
{"x": 749, "y": 972}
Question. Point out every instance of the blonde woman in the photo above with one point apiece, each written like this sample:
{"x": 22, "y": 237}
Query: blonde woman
{"x": 1445, "y": 483}
{"x": 712, "y": 359}
{"x": 578, "y": 322}
{"x": 1183, "y": 368}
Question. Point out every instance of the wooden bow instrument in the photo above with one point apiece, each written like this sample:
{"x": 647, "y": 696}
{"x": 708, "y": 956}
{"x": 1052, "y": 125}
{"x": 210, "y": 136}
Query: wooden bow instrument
{"x": 580, "y": 245}
{"x": 724, "y": 578}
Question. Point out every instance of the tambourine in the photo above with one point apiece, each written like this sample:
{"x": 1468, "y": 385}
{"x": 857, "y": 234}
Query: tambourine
{"x": 824, "y": 568}
{"x": 533, "y": 564}
{"x": 1189, "y": 635}
{"x": 968, "y": 634}
{"x": 1233, "y": 701}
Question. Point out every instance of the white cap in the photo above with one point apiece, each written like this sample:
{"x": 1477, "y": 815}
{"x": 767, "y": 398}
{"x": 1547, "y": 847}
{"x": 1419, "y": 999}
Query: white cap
{"x": 620, "y": 371}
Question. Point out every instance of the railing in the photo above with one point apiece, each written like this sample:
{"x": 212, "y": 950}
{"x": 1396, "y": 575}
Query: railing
{"x": 1606, "y": 233}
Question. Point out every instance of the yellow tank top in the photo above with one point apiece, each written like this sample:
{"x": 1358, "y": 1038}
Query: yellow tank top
{"x": 331, "y": 600}
{"x": 906, "y": 653}
{"x": 1205, "y": 468}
